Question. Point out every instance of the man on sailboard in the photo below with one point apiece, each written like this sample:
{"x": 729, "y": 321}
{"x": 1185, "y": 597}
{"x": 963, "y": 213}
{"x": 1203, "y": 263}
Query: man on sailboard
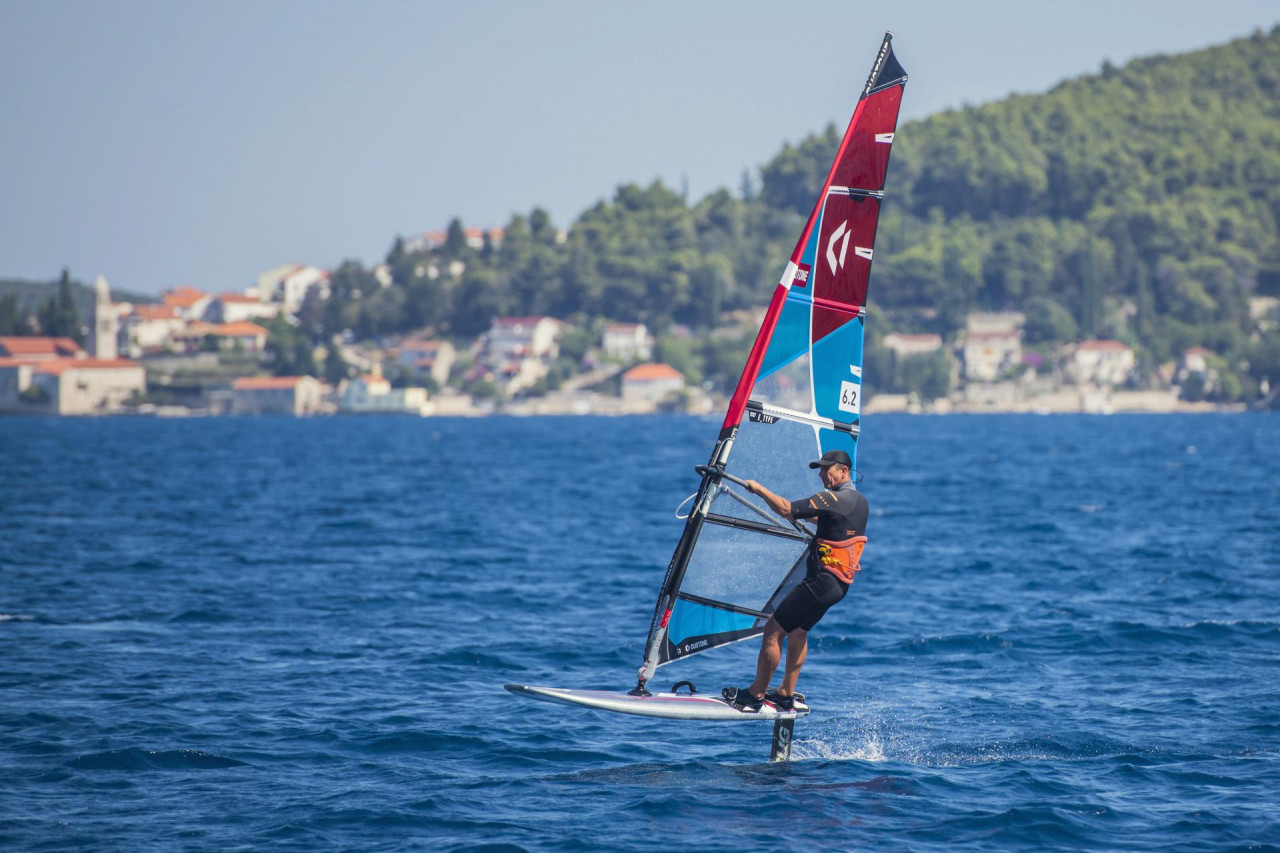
{"x": 834, "y": 553}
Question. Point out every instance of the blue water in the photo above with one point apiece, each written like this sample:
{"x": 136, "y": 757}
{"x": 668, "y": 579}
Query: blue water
{"x": 276, "y": 634}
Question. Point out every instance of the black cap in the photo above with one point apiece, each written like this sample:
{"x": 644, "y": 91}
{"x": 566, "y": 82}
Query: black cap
{"x": 833, "y": 457}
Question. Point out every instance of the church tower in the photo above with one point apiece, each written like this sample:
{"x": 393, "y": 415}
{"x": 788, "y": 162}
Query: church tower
{"x": 106, "y": 324}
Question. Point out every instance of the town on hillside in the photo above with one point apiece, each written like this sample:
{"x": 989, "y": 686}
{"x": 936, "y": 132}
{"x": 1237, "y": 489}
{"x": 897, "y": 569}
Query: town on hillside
{"x": 199, "y": 353}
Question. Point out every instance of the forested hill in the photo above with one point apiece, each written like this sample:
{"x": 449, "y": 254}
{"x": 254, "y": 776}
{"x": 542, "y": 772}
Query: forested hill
{"x": 1140, "y": 202}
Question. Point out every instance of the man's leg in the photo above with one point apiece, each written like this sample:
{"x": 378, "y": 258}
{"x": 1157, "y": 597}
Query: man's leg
{"x": 770, "y": 655}
{"x": 797, "y": 646}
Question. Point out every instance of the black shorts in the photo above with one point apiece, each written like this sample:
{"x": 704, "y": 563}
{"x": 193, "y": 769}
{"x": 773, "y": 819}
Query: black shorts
{"x": 807, "y": 603}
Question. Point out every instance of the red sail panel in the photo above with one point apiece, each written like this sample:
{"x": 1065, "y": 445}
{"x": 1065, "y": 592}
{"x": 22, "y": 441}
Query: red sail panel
{"x": 843, "y": 262}
{"x": 865, "y": 156}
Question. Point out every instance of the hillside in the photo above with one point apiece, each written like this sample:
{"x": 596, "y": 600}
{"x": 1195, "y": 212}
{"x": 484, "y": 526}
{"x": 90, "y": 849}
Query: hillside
{"x": 1142, "y": 201}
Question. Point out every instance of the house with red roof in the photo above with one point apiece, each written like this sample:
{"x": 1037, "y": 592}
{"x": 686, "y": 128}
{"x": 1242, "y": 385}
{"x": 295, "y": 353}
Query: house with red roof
{"x": 651, "y": 383}
{"x": 188, "y": 302}
{"x": 54, "y": 376}
{"x": 277, "y": 395}
{"x": 151, "y": 328}
{"x": 237, "y": 307}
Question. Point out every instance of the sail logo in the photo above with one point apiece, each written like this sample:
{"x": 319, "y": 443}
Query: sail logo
{"x": 801, "y": 278}
{"x": 884, "y": 137}
{"x": 842, "y": 232}
{"x": 841, "y": 235}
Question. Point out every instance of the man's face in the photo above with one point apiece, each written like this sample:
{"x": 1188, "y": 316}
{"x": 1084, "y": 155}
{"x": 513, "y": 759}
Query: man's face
{"x": 830, "y": 474}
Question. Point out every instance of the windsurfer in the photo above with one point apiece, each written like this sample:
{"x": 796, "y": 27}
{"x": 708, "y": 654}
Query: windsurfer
{"x": 841, "y": 514}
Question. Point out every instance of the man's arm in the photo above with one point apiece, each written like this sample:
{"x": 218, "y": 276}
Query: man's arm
{"x": 778, "y": 504}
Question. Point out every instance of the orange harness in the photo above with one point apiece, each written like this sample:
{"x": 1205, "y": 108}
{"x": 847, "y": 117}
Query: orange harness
{"x": 841, "y": 558}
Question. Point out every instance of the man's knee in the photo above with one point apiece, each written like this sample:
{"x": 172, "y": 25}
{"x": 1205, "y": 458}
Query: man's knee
{"x": 798, "y": 636}
{"x": 773, "y": 631}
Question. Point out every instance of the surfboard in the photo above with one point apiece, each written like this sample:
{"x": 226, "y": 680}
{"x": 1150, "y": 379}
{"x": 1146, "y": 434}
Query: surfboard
{"x": 671, "y": 706}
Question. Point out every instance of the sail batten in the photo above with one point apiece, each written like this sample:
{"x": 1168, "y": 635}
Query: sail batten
{"x": 799, "y": 395}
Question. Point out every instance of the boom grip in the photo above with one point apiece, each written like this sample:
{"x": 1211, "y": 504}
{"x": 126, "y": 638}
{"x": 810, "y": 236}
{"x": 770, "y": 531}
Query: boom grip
{"x": 708, "y": 471}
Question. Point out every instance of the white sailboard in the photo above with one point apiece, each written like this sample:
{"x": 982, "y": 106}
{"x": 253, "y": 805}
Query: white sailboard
{"x": 799, "y": 395}
{"x": 671, "y": 706}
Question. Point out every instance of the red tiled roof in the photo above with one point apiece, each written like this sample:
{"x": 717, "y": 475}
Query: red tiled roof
{"x": 266, "y": 383}
{"x": 651, "y": 372}
{"x": 58, "y": 366}
{"x": 38, "y": 346}
{"x": 155, "y": 312}
{"x": 183, "y": 297}
{"x": 242, "y": 329}
{"x": 1199, "y": 351}
{"x": 238, "y": 298}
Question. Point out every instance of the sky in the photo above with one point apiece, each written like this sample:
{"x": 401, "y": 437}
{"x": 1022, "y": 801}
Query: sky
{"x": 162, "y": 143}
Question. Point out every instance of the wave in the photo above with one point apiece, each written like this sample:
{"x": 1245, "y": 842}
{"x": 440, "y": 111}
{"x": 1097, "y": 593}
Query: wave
{"x": 134, "y": 758}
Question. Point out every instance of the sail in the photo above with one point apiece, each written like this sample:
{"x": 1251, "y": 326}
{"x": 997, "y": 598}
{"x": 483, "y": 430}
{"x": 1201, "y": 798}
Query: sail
{"x": 799, "y": 395}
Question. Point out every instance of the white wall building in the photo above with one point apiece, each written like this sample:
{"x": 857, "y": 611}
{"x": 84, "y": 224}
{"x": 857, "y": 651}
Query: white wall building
{"x": 287, "y": 285}
{"x": 988, "y": 354}
{"x": 651, "y": 383}
{"x": 187, "y": 302}
{"x": 372, "y": 394}
{"x": 903, "y": 345}
{"x": 434, "y": 358}
{"x": 37, "y": 378}
{"x": 1101, "y": 362}
{"x": 239, "y": 307}
{"x": 980, "y": 322}
{"x": 513, "y": 338}
{"x": 276, "y": 395}
{"x": 151, "y": 328}
{"x": 627, "y": 342}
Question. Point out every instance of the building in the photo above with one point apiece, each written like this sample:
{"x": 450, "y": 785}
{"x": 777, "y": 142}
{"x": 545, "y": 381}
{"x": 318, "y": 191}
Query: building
{"x": 276, "y": 395}
{"x": 627, "y": 342}
{"x": 372, "y": 394}
{"x": 238, "y": 307}
{"x": 104, "y": 333}
{"x": 989, "y": 354}
{"x": 247, "y": 336}
{"x": 1195, "y": 360}
{"x": 980, "y": 322}
{"x": 187, "y": 302}
{"x": 1265, "y": 312}
{"x": 651, "y": 383}
{"x": 287, "y": 285}
{"x": 38, "y": 349}
{"x": 55, "y": 376}
{"x": 512, "y": 338}
{"x": 903, "y": 345}
{"x": 151, "y": 328}
{"x": 434, "y": 358}
{"x": 1101, "y": 362}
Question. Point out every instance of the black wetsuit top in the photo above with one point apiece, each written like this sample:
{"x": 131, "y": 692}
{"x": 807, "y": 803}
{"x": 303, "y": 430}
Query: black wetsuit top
{"x": 841, "y": 514}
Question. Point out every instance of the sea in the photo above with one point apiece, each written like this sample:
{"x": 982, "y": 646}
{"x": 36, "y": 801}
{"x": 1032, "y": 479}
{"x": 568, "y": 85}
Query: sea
{"x": 278, "y": 634}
